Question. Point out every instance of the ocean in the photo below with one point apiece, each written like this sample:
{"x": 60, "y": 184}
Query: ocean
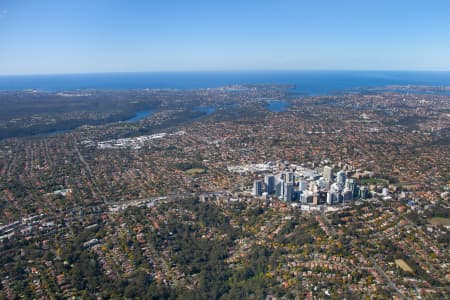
{"x": 306, "y": 82}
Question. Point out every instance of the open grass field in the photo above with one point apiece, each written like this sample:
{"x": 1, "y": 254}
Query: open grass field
{"x": 402, "y": 264}
{"x": 440, "y": 221}
{"x": 195, "y": 171}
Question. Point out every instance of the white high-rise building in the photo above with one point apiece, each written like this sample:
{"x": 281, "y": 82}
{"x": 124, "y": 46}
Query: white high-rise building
{"x": 335, "y": 188}
{"x": 327, "y": 173}
{"x": 313, "y": 186}
{"x": 329, "y": 198}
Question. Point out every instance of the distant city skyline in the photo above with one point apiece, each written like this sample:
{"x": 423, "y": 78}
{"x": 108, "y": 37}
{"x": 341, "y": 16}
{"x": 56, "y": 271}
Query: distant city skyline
{"x": 97, "y": 36}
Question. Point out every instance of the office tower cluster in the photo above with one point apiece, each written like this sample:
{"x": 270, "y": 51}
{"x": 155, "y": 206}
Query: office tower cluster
{"x": 310, "y": 187}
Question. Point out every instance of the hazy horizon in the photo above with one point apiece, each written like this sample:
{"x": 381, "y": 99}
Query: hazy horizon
{"x": 232, "y": 71}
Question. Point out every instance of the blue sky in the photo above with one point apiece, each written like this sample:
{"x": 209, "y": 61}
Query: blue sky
{"x": 82, "y": 36}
